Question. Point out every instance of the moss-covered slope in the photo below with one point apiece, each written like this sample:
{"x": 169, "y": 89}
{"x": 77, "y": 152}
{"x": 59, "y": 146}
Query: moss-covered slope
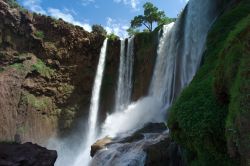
{"x": 211, "y": 118}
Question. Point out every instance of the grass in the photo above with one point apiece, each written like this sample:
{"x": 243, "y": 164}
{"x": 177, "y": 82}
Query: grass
{"x": 217, "y": 98}
{"x": 39, "y": 34}
{"x": 39, "y": 103}
{"x": 17, "y": 66}
{"x": 42, "y": 69}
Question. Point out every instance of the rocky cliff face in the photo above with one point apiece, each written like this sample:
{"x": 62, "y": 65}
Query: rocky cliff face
{"x": 47, "y": 69}
{"x": 145, "y": 48}
{"x": 145, "y": 52}
{"x": 110, "y": 78}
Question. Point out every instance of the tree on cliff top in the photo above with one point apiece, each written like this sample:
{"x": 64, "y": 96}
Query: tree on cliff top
{"x": 151, "y": 15}
{"x": 98, "y": 29}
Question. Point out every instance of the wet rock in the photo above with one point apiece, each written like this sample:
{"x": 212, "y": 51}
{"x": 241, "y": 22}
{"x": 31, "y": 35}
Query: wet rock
{"x": 27, "y": 154}
{"x": 153, "y": 128}
{"x": 100, "y": 144}
{"x": 164, "y": 153}
{"x": 149, "y": 146}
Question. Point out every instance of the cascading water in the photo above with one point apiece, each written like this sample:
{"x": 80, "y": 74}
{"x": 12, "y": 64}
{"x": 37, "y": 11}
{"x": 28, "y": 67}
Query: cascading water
{"x": 84, "y": 157}
{"x": 178, "y": 57}
{"x": 163, "y": 72}
{"x": 124, "y": 88}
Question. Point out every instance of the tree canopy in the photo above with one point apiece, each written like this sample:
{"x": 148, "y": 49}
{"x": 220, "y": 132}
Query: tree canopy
{"x": 99, "y": 30}
{"x": 151, "y": 15}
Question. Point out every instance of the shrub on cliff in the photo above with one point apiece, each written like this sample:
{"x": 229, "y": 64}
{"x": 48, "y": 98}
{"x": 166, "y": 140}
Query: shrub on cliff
{"x": 39, "y": 34}
{"x": 39, "y": 103}
{"x": 42, "y": 69}
{"x": 13, "y": 3}
{"x": 98, "y": 29}
{"x": 112, "y": 37}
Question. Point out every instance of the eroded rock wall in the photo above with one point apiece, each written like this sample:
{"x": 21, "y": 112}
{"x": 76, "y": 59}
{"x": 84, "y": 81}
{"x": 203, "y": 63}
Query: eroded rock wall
{"x": 47, "y": 69}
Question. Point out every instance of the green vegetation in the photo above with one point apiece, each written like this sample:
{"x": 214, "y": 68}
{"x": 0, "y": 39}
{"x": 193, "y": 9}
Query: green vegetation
{"x": 13, "y": 3}
{"x": 208, "y": 119}
{"x": 39, "y": 34}
{"x": 98, "y": 29}
{"x": 39, "y": 103}
{"x": 67, "y": 117}
{"x": 151, "y": 15}
{"x": 145, "y": 42}
{"x": 1, "y": 69}
{"x": 17, "y": 66}
{"x": 132, "y": 31}
{"x": 112, "y": 37}
{"x": 42, "y": 69}
{"x": 66, "y": 88}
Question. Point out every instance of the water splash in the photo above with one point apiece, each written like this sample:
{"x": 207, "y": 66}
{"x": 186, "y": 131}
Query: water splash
{"x": 135, "y": 116}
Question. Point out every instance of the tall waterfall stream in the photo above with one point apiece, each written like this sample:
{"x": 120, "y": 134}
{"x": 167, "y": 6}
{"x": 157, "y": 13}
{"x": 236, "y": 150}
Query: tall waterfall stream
{"x": 179, "y": 55}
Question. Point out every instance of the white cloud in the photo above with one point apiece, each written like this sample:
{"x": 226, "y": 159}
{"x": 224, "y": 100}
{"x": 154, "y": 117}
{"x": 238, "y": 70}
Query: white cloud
{"x": 34, "y": 5}
{"x": 87, "y": 2}
{"x": 66, "y": 16}
{"x": 72, "y": 11}
{"x": 117, "y": 27}
{"x": 131, "y": 3}
{"x": 184, "y": 1}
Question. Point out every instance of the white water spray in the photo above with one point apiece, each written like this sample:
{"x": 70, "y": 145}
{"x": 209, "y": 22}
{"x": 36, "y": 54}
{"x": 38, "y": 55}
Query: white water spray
{"x": 124, "y": 89}
{"x": 84, "y": 157}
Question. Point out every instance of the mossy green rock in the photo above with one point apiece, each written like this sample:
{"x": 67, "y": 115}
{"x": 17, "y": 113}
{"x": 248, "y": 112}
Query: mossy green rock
{"x": 211, "y": 117}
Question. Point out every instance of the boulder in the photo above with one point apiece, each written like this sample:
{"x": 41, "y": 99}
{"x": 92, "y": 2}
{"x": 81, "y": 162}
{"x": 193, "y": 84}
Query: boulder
{"x": 100, "y": 144}
{"x": 26, "y": 154}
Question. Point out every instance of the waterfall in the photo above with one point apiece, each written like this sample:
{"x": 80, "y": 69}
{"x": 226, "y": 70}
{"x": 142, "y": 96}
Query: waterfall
{"x": 179, "y": 56}
{"x": 84, "y": 157}
{"x": 164, "y": 67}
{"x": 180, "y": 50}
{"x": 124, "y": 87}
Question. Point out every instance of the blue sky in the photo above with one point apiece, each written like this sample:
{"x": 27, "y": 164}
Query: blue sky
{"x": 114, "y": 15}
